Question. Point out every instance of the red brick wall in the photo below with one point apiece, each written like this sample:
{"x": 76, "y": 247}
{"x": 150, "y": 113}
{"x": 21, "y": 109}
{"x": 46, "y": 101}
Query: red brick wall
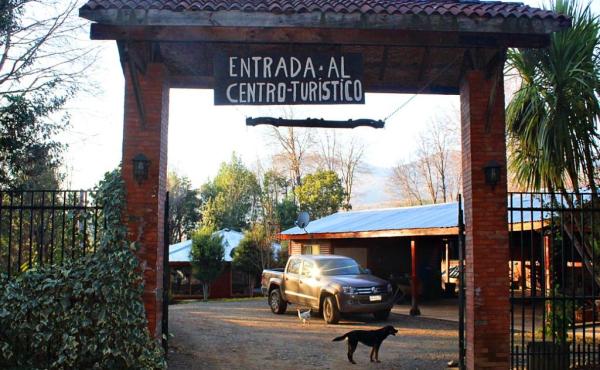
{"x": 145, "y": 201}
{"x": 487, "y": 250}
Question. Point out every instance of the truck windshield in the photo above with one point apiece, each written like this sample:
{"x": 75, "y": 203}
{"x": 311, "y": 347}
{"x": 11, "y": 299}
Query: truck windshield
{"x": 339, "y": 267}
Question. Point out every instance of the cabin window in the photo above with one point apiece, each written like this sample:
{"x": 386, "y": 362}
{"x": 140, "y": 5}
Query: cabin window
{"x": 311, "y": 249}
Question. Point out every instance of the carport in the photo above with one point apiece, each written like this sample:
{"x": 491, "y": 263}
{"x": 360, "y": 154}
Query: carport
{"x": 405, "y": 245}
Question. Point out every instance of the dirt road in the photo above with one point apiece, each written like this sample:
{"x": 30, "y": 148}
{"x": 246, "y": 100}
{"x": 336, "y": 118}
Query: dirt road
{"x": 246, "y": 335}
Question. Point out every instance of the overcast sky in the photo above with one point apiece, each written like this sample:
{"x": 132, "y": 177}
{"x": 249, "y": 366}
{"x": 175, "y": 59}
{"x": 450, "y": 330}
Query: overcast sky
{"x": 202, "y": 135}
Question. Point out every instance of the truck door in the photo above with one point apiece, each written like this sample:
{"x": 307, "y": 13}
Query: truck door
{"x": 309, "y": 285}
{"x": 291, "y": 278}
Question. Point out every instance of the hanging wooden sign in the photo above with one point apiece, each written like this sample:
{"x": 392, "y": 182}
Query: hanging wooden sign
{"x": 288, "y": 79}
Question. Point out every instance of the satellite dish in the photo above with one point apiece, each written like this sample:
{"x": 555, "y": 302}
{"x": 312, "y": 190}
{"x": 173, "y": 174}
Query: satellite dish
{"x": 303, "y": 220}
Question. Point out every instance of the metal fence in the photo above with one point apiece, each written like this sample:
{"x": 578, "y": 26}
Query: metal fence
{"x": 462, "y": 345}
{"x": 554, "y": 281}
{"x": 46, "y": 227}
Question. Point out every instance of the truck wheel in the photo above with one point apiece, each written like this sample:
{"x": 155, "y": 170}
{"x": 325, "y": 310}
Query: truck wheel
{"x": 277, "y": 304}
{"x": 382, "y": 315}
{"x": 331, "y": 312}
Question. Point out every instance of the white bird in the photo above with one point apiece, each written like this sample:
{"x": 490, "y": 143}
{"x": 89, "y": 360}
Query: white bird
{"x": 304, "y": 316}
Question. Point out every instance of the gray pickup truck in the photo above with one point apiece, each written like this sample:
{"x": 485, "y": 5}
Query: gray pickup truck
{"x": 327, "y": 283}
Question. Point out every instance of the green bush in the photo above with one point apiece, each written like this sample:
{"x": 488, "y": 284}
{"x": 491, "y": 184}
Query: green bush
{"x": 85, "y": 314}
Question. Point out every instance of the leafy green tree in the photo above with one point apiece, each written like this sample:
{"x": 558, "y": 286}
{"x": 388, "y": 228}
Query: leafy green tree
{"x": 551, "y": 118}
{"x": 184, "y": 207}
{"x": 29, "y": 152}
{"x": 207, "y": 257}
{"x": 253, "y": 254}
{"x": 287, "y": 213}
{"x": 230, "y": 200}
{"x": 320, "y": 194}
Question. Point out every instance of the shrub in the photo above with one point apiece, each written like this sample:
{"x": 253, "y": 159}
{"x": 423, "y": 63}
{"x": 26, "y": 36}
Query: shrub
{"x": 207, "y": 257}
{"x": 85, "y": 314}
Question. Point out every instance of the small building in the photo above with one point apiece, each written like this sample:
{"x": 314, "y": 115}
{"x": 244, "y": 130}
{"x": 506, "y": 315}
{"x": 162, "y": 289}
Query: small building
{"x": 391, "y": 241}
{"x": 383, "y": 240}
{"x": 231, "y": 282}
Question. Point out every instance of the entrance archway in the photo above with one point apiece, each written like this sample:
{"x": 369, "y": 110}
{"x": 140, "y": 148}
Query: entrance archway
{"x": 436, "y": 47}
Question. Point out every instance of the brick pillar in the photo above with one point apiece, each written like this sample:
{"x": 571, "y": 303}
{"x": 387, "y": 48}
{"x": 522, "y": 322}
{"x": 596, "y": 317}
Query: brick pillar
{"x": 145, "y": 201}
{"x": 487, "y": 252}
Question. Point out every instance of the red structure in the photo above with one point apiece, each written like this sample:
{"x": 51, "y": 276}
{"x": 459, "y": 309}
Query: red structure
{"x": 439, "y": 47}
{"x": 146, "y": 199}
{"x": 182, "y": 287}
{"x": 487, "y": 251}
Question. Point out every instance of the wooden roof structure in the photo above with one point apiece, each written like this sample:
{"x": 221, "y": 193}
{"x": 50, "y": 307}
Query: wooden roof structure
{"x": 408, "y": 46}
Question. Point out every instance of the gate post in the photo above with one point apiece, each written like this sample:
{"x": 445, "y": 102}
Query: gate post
{"x": 487, "y": 252}
{"x": 147, "y": 96}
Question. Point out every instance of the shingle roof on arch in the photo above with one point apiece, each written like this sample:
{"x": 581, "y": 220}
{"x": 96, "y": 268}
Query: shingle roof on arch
{"x": 484, "y": 9}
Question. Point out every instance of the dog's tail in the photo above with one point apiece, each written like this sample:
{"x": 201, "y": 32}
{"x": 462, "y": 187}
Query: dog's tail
{"x": 340, "y": 338}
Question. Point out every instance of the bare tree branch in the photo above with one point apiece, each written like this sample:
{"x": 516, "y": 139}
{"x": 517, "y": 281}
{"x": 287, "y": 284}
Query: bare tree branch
{"x": 295, "y": 144}
{"x": 40, "y": 48}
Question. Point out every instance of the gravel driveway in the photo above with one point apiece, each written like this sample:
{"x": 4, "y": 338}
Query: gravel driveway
{"x": 246, "y": 335}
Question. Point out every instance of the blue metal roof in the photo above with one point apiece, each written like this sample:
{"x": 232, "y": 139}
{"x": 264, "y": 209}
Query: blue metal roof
{"x": 523, "y": 207}
{"x": 419, "y": 217}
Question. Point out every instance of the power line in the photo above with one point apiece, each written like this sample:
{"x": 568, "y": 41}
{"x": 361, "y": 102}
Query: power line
{"x": 433, "y": 79}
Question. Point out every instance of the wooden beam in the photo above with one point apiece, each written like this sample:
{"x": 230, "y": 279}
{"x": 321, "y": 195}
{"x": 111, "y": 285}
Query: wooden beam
{"x": 424, "y": 64}
{"x": 384, "y": 62}
{"x": 137, "y": 91}
{"x": 313, "y": 122}
{"x": 322, "y": 36}
{"x": 439, "y": 231}
{"x": 435, "y": 231}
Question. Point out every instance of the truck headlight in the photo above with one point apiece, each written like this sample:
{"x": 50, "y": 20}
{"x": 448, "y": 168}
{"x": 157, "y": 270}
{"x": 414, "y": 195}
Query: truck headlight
{"x": 390, "y": 289}
{"x": 349, "y": 290}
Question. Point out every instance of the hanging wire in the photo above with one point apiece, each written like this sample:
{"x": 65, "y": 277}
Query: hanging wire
{"x": 432, "y": 80}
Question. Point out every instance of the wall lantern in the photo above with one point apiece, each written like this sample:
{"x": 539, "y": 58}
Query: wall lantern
{"x": 141, "y": 163}
{"x": 492, "y": 173}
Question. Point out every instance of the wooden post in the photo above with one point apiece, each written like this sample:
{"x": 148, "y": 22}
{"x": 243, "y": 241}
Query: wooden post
{"x": 414, "y": 284}
{"x": 447, "y": 262}
{"x": 547, "y": 272}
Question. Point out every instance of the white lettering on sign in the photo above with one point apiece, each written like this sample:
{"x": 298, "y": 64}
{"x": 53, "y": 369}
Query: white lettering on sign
{"x": 289, "y": 79}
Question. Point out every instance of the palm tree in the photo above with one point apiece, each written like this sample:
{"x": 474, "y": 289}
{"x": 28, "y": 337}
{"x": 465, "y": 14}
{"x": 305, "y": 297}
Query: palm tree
{"x": 551, "y": 120}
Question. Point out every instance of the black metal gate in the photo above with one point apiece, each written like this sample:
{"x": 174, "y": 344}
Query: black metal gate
{"x": 462, "y": 348}
{"x": 47, "y": 227}
{"x": 166, "y": 279}
{"x": 554, "y": 282}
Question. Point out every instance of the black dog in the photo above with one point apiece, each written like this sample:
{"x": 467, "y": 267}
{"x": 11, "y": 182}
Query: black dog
{"x": 371, "y": 338}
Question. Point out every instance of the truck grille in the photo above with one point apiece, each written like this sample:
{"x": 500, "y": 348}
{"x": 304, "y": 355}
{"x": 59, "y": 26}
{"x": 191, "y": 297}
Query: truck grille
{"x": 366, "y": 300}
{"x": 371, "y": 290}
